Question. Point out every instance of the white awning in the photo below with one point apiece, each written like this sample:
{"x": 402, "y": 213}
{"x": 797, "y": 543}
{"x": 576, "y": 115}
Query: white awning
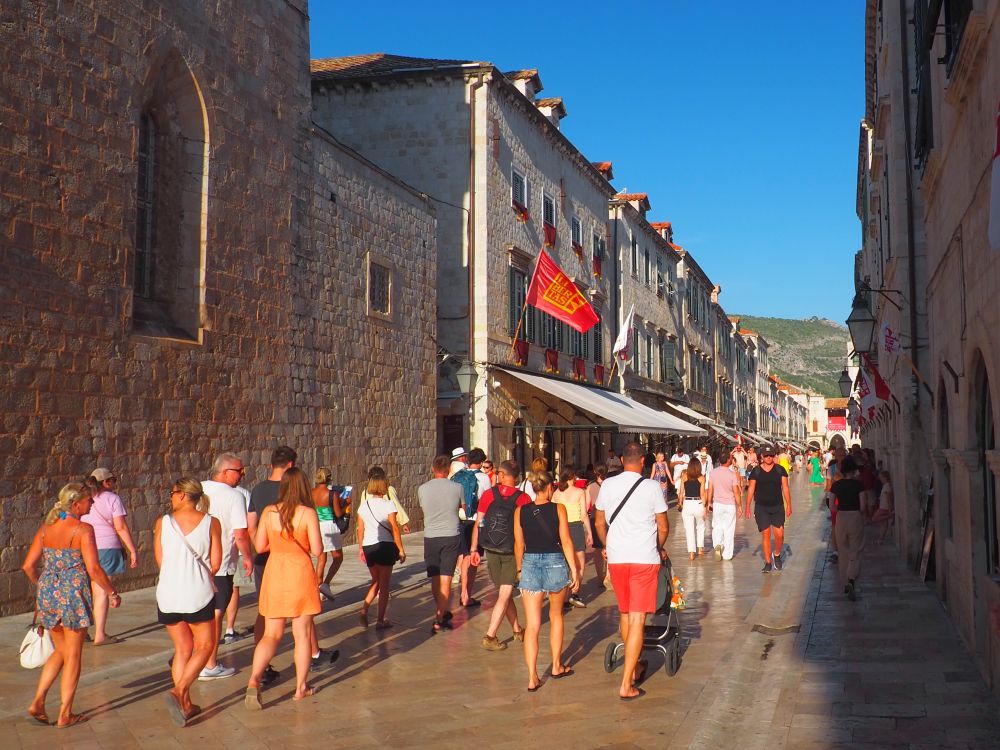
{"x": 725, "y": 432}
{"x": 621, "y": 411}
{"x": 690, "y": 413}
{"x": 759, "y": 438}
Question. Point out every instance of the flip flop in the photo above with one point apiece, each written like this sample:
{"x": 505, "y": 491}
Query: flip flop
{"x": 110, "y": 640}
{"x": 193, "y": 711}
{"x": 177, "y": 714}
{"x": 642, "y": 675}
{"x": 567, "y": 672}
{"x": 40, "y": 718}
{"x": 310, "y": 691}
{"x": 519, "y": 635}
{"x": 251, "y": 701}
{"x": 535, "y": 688}
{"x": 72, "y": 720}
{"x": 628, "y": 698}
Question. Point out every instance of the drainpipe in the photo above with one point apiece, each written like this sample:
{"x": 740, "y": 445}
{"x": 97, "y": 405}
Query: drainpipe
{"x": 911, "y": 251}
{"x": 470, "y": 240}
{"x": 615, "y": 287}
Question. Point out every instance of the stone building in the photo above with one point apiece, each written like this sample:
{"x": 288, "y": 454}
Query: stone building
{"x": 197, "y": 268}
{"x": 508, "y": 183}
{"x": 927, "y": 271}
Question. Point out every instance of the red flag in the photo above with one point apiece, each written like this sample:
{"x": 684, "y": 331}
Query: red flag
{"x": 552, "y": 291}
{"x": 881, "y": 389}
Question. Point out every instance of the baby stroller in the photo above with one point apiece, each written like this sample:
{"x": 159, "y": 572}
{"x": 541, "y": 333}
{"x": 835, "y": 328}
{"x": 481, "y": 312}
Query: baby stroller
{"x": 663, "y": 628}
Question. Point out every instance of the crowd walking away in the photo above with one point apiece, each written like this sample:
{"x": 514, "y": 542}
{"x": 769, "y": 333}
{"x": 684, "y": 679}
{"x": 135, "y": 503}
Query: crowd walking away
{"x": 286, "y": 539}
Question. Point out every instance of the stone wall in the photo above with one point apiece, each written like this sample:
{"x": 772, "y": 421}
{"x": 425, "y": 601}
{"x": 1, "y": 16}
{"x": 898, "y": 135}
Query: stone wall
{"x": 283, "y": 350}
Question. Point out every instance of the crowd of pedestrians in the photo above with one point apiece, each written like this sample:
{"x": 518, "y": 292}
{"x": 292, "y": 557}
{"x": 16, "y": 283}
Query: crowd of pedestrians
{"x": 286, "y": 537}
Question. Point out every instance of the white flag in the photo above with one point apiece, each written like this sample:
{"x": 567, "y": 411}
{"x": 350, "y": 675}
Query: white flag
{"x": 623, "y": 344}
{"x": 994, "y": 230}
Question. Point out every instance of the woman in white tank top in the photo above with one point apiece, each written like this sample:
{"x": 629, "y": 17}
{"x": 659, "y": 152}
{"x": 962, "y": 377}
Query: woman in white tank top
{"x": 188, "y": 549}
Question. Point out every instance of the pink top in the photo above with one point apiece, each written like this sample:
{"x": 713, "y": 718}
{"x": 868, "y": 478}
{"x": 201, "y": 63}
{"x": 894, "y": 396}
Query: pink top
{"x": 107, "y": 507}
{"x": 723, "y": 479}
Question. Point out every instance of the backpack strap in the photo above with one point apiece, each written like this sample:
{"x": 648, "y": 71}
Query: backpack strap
{"x": 621, "y": 505}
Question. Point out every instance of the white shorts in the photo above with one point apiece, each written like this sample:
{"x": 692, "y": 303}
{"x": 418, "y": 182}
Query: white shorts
{"x": 330, "y": 534}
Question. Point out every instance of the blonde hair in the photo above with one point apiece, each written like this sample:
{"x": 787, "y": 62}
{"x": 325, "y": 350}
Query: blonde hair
{"x": 378, "y": 485}
{"x": 540, "y": 480}
{"x": 192, "y": 488}
{"x": 68, "y": 495}
{"x": 322, "y": 475}
{"x": 539, "y": 464}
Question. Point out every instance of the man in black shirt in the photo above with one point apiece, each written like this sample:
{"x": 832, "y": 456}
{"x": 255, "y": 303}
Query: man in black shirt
{"x": 769, "y": 487}
{"x": 849, "y": 493}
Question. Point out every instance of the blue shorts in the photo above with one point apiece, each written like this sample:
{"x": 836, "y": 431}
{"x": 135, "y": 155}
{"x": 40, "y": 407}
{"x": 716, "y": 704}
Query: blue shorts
{"x": 544, "y": 572}
{"x": 112, "y": 560}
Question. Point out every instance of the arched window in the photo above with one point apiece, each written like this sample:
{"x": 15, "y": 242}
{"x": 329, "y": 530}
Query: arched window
{"x": 986, "y": 441}
{"x": 171, "y": 205}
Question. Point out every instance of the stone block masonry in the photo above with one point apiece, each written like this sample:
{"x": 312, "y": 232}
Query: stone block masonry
{"x": 270, "y": 284}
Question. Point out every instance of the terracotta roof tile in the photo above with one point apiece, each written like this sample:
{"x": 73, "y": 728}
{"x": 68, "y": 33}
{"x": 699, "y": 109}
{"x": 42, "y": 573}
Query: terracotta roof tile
{"x": 551, "y": 101}
{"x": 602, "y": 166}
{"x": 632, "y": 196}
{"x": 378, "y": 63}
{"x": 660, "y": 225}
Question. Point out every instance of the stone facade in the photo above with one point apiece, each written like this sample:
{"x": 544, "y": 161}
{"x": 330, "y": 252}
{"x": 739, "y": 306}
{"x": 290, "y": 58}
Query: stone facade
{"x": 150, "y": 327}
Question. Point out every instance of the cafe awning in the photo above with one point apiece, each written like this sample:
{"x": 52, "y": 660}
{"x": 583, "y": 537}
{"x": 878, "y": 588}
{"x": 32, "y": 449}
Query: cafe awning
{"x": 620, "y": 411}
{"x": 689, "y": 413}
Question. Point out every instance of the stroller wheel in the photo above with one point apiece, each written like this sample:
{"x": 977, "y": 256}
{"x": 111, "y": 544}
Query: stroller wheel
{"x": 673, "y": 661}
{"x": 609, "y": 658}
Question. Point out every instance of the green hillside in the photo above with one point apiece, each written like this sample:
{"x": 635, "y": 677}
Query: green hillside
{"x": 809, "y": 353}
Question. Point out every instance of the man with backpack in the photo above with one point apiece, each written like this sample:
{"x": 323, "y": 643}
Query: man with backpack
{"x": 474, "y": 483}
{"x": 494, "y": 532}
{"x": 440, "y": 500}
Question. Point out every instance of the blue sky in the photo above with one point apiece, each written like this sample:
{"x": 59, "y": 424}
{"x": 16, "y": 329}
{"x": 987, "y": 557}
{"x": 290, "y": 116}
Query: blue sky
{"x": 739, "y": 119}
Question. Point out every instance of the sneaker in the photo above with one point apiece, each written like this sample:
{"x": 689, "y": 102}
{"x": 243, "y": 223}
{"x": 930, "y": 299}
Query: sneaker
{"x": 577, "y": 602}
{"x": 270, "y": 675}
{"x": 492, "y": 643}
{"x": 218, "y": 672}
{"x": 324, "y": 660}
{"x": 718, "y": 552}
{"x": 777, "y": 562}
{"x": 325, "y": 590}
{"x": 228, "y": 638}
{"x": 849, "y": 590}
{"x": 767, "y": 568}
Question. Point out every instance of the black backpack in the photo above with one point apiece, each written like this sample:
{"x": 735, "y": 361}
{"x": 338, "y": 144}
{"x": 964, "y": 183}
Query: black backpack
{"x": 497, "y": 532}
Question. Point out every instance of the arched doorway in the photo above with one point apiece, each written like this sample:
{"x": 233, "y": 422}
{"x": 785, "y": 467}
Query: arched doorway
{"x": 837, "y": 441}
{"x": 519, "y": 444}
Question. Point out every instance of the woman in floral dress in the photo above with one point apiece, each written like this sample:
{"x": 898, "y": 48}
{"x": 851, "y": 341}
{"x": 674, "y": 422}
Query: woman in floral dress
{"x": 67, "y": 548}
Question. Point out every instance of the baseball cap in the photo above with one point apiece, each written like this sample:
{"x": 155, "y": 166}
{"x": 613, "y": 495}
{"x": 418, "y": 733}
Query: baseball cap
{"x": 767, "y": 451}
{"x": 102, "y": 474}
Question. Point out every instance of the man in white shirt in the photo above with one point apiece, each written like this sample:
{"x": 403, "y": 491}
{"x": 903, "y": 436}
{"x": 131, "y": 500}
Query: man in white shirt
{"x": 705, "y": 458}
{"x": 678, "y": 464}
{"x": 228, "y": 505}
{"x": 631, "y": 519}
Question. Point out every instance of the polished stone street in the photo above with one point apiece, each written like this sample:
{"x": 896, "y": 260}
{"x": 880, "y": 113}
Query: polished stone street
{"x": 769, "y": 661}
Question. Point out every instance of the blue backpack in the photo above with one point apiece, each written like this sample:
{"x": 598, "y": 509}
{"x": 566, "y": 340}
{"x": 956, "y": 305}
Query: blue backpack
{"x": 470, "y": 488}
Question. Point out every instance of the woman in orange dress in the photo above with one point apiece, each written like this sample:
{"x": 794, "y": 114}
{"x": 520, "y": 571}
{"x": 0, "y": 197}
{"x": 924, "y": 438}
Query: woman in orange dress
{"x": 289, "y": 530}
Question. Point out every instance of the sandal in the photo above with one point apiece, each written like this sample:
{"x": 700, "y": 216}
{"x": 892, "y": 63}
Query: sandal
{"x": 71, "y": 720}
{"x": 567, "y": 672}
{"x": 251, "y": 701}
{"x": 309, "y": 691}
{"x": 519, "y": 635}
{"x": 193, "y": 711}
{"x": 40, "y": 718}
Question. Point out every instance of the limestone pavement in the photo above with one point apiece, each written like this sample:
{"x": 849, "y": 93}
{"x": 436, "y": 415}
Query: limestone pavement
{"x": 776, "y": 661}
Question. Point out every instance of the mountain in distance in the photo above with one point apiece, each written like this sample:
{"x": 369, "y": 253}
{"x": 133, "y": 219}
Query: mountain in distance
{"x": 809, "y": 354}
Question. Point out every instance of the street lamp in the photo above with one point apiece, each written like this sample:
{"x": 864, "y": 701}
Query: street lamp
{"x": 846, "y": 383}
{"x": 466, "y": 376}
{"x": 861, "y": 324}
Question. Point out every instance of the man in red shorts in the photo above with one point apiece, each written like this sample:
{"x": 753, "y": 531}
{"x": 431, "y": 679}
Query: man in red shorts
{"x": 631, "y": 519}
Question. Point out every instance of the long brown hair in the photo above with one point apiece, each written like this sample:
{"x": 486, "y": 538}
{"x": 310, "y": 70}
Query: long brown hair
{"x": 693, "y": 469}
{"x": 292, "y": 492}
{"x": 566, "y": 477}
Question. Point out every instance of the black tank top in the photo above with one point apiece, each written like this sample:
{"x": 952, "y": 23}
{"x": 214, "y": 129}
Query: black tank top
{"x": 540, "y": 526}
{"x": 692, "y": 489}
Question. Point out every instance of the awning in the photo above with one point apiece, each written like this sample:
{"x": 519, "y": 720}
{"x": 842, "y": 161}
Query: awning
{"x": 727, "y": 434}
{"x": 761, "y": 440}
{"x": 698, "y": 417}
{"x": 622, "y": 412}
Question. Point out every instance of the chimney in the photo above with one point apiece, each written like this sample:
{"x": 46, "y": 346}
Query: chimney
{"x": 527, "y": 82}
{"x": 552, "y": 108}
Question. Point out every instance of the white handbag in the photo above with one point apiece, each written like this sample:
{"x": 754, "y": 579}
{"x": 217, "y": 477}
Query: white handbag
{"x": 36, "y": 648}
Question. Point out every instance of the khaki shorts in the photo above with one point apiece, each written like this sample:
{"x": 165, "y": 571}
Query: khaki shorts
{"x": 502, "y": 568}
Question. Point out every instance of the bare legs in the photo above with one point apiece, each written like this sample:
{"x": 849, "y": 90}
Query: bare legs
{"x": 336, "y": 560}
{"x": 441, "y": 587}
{"x": 468, "y": 577}
{"x": 379, "y": 587}
{"x": 274, "y": 628}
{"x": 65, "y": 660}
{"x": 192, "y": 650}
{"x": 504, "y": 608}
{"x": 631, "y": 625}
{"x": 100, "y": 613}
{"x": 532, "y": 625}
{"x": 779, "y": 542}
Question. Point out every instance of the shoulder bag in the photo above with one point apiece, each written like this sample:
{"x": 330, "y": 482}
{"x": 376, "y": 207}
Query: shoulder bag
{"x": 36, "y": 648}
{"x": 201, "y": 561}
{"x": 621, "y": 505}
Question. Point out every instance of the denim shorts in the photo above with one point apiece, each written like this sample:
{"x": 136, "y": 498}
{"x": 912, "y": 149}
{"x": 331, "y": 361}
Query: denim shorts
{"x": 112, "y": 560}
{"x": 545, "y": 572}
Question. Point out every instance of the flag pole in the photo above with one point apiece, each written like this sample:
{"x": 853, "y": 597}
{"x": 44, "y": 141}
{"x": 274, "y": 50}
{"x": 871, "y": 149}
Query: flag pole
{"x": 517, "y": 330}
{"x": 614, "y": 366}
